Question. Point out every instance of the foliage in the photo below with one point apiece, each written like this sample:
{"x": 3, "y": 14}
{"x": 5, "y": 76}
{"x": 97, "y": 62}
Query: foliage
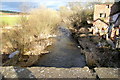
{"x": 41, "y": 21}
{"x": 44, "y": 21}
{"x": 77, "y": 14}
{"x": 65, "y": 13}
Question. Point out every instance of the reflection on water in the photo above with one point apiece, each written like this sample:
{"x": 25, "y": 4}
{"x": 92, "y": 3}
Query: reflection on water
{"x": 64, "y": 53}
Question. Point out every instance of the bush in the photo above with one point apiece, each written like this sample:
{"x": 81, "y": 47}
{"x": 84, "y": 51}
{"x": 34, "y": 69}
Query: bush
{"x": 65, "y": 14}
{"x": 40, "y": 21}
{"x": 77, "y": 15}
{"x": 44, "y": 21}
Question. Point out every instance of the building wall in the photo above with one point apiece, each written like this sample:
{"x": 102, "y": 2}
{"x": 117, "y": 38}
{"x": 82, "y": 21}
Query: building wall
{"x": 100, "y": 9}
{"x": 99, "y": 24}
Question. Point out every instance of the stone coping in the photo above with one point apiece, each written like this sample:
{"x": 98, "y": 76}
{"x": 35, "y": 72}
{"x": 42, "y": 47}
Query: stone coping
{"x": 53, "y": 72}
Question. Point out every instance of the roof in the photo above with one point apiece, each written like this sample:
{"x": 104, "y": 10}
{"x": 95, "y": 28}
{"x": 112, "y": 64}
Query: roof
{"x": 115, "y": 8}
{"x": 101, "y": 21}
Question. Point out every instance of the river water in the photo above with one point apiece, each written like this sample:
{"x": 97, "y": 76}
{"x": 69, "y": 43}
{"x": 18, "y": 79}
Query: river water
{"x": 64, "y": 53}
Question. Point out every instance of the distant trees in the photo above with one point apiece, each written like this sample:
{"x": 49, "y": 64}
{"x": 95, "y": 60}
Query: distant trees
{"x": 77, "y": 13}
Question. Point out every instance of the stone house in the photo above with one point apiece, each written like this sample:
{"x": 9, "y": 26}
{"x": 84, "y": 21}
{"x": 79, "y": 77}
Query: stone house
{"x": 105, "y": 15}
{"x": 101, "y": 18}
{"x": 102, "y": 11}
{"x": 107, "y": 21}
{"x": 100, "y": 27}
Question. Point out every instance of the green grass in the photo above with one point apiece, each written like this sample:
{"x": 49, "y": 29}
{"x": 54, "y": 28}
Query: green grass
{"x": 7, "y": 20}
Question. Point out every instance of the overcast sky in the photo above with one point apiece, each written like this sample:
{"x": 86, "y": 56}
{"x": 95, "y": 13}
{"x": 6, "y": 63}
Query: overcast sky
{"x": 14, "y": 5}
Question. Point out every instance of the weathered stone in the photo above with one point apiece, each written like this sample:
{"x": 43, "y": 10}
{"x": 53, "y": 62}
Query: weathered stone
{"x": 52, "y": 72}
{"x": 46, "y": 72}
{"x": 107, "y": 72}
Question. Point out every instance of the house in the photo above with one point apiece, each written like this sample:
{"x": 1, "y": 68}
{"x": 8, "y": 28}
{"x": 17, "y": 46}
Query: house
{"x": 101, "y": 18}
{"x": 102, "y": 11}
{"x": 107, "y": 21}
{"x": 100, "y": 27}
{"x": 105, "y": 15}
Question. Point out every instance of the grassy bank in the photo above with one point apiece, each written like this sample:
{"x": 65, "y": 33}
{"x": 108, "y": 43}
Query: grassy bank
{"x": 9, "y": 20}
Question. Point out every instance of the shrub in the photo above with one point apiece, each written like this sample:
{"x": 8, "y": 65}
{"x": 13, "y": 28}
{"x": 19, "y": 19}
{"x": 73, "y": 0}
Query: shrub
{"x": 77, "y": 15}
{"x": 44, "y": 21}
{"x": 40, "y": 21}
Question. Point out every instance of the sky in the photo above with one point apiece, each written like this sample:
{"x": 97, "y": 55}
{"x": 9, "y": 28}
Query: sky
{"x": 14, "y": 5}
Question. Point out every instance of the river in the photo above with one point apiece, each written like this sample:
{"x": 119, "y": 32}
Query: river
{"x": 64, "y": 53}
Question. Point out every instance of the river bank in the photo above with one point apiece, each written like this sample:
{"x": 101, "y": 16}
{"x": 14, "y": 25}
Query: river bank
{"x": 28, "y": 58}
{"x": 95, "y": 56}
{"x": 62, "y": 49}
{"x": 68, "y": 51}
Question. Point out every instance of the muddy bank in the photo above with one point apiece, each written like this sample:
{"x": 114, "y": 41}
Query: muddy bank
{"x": 96, "y": 56}
{"x": 28, "y": 58}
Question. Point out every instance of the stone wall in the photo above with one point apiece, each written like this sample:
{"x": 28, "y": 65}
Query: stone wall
{"x": 102, "y": 8}
{"x": 12, "y": 72}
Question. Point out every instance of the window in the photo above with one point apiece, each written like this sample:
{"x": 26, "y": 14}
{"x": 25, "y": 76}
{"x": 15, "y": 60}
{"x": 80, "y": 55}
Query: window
{"x": 103, "y": 15}
{"x": 107, "y": 6}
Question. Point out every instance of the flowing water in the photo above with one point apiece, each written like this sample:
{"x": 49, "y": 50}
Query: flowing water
{"x": 64, "y": 53}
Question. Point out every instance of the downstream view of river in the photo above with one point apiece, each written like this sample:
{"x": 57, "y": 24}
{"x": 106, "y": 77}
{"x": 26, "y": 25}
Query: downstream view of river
{"x": 64, "y": 53}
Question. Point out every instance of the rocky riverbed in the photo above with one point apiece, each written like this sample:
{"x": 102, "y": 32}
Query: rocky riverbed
{"x": 96, "y": 56}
